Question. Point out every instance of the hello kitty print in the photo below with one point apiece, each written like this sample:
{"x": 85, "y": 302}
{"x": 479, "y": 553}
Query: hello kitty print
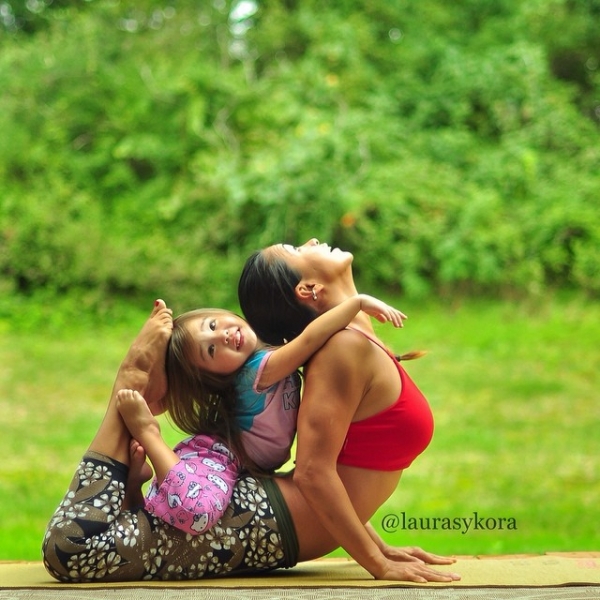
{"x": 195, "y": 493}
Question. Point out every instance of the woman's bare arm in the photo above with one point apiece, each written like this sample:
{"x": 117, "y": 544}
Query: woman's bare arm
{"x": 336, "y": 382}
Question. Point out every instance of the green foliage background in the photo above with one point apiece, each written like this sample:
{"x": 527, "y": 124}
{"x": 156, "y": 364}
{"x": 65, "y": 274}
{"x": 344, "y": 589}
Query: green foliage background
{"x": 146, "y": 149}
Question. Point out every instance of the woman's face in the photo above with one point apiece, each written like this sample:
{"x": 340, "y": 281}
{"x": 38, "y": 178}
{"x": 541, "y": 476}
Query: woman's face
{"x": 314, "y": 260}
{"x": 223, "y": 342}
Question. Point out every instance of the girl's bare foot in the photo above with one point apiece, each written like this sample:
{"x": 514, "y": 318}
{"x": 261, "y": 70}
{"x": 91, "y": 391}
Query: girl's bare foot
{"x": 143, "y": 427}
{"x": 140, "y": 421}
{"x": 139, "y": 472}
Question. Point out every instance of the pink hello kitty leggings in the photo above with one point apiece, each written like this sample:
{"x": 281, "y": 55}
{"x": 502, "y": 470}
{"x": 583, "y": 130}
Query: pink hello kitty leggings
{"x": 195, "y": 493}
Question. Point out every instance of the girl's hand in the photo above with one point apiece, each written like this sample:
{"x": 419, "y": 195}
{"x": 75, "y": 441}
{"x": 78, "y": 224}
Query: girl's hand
{"x": 381, "y": 311}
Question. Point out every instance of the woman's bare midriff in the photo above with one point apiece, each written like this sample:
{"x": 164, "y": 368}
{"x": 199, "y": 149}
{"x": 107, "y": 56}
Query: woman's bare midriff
{"x": 367, "y": 490}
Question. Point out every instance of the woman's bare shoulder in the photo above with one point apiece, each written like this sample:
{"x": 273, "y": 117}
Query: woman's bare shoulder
{"x": 345, "y": 346}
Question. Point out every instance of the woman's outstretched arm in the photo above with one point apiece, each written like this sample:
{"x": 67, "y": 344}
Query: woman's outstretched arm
{"x": 336, "y": 380}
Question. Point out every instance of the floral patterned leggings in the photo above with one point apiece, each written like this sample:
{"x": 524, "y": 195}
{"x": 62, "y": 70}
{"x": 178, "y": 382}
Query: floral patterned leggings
{"x": 90, "y": 538}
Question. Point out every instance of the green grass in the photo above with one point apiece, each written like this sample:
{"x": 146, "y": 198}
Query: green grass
{"x": 513, "y": 387}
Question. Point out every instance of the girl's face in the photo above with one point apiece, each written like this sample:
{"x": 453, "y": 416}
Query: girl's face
{"x": 223, "y": 342}
{"x": 314, "y": 260}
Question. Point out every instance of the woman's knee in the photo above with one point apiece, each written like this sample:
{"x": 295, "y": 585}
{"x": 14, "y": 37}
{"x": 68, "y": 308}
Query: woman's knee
{"x": 55, "y": 538}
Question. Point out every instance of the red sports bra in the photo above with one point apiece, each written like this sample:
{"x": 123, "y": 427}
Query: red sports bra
{"x": 391, "y": 439}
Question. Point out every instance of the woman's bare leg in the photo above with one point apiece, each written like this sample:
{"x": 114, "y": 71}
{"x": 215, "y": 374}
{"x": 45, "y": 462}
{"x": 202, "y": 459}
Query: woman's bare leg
{"x": 141, "y": 370}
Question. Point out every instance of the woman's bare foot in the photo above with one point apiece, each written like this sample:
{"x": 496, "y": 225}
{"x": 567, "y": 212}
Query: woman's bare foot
{"x": 143, "y": 368}
{"x": 139, "y": 473}
{"x": 136, "y": 413}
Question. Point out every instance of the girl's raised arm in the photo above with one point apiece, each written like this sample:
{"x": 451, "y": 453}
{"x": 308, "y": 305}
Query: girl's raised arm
{"x": 286, "y": 359}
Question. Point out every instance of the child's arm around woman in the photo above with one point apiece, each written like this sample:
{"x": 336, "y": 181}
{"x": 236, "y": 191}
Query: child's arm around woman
{"x": 286, "y": 359}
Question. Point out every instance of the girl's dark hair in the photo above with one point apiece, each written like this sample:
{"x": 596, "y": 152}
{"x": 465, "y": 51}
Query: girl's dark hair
{"x": 199, "y": 402}
{"x": 266, "y": 293}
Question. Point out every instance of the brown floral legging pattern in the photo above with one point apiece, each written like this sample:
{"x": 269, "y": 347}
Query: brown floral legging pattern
{"x": 91, "y": 539}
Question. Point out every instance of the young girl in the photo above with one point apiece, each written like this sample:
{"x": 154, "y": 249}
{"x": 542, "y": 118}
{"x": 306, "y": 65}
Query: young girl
{"x": 220, "y": 372}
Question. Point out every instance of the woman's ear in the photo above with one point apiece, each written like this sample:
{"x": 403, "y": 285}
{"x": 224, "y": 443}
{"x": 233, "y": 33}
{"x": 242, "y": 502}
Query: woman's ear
{"x": 304, "y": 291}
{"x": 308, "y": 292}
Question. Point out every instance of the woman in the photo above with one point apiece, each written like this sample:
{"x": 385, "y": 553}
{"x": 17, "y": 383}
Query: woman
{"x": 99, "y": 533}
{"x": 361, "y": 420}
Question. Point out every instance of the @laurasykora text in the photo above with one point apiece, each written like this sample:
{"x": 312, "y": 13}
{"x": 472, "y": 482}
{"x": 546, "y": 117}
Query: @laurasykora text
{"x": 475, "y": 522}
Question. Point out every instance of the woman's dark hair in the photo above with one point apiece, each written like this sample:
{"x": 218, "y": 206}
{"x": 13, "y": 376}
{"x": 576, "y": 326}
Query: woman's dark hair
{"x": 266, "y": 293}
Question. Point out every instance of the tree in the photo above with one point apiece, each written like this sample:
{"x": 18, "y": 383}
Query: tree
{"x": 149, "y": 148}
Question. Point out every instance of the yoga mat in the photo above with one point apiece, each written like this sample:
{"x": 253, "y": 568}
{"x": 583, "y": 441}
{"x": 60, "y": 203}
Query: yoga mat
{"x": 548, "y": 570}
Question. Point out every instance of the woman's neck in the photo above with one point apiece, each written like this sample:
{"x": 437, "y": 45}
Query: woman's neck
{"x": 361, "y": 321}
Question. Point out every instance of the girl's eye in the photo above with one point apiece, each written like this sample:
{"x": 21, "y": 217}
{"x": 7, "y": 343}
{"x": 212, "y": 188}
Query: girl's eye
{"x": 212, "y": 325}
{"x": 211, "y": 350}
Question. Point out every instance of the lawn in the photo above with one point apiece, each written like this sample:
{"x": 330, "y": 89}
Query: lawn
{"x": 513, "y": 466}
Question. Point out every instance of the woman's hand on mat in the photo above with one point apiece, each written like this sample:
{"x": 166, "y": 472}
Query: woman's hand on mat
{"x": 415, "y": 554}
{"x": 415, "y": 571}
{"x": 415, "y": 561}
{"x": 410, "y": 564}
